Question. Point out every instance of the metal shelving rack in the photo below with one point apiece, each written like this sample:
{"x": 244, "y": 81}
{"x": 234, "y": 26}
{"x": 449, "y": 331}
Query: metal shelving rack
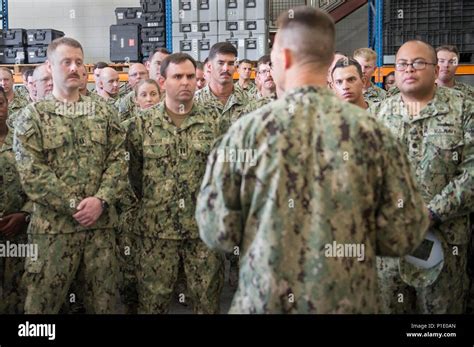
{"x": 169, "y": 25}
{"x": 4, "y": 14}
{"x": 376, "y": 31}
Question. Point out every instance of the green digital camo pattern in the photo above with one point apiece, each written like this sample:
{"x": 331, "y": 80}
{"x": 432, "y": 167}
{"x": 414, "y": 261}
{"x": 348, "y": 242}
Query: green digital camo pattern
{"x": 22, "y": 91}
{"x": 439, "y": 145}
{"x": 251, "y": 89}
{"x": 267, "y": 99}
{"x": 12, "y": 199}
{"x": 467, "y": 89}
{"x": 126, "y": 106}
{"x": 159, "y": 262}
{"x": 14, "y": 107}
{"x": 124, "y": 90}
{"x": 325, "y": 171}
{"x": 374, "y": 93}
{"x": 65, "y": 154}
{"x": 170, "y": 163}
{"x": 60, "y": 257}
{"x": 238, "y": 104}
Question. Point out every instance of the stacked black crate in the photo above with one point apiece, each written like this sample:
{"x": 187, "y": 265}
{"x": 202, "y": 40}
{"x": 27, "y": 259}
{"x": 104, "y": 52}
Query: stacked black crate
{"x": 437, "y": 22}
{"x": 125, "y": 44}
{"x": 37, "y": 41}
{"x": 195, "y": 27}
{"x": 153, "y": 31}
{"x": 13, "y": 46}
{"x": 244, "y": 23}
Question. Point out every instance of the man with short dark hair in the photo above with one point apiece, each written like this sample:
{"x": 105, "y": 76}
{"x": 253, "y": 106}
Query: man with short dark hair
{"x": 15, "y": 101}
{"x": 302, "y": 177}
{"x": 154, "y": 63}
{"x": 448, "y": 62}
{"x": 220, "y": 92}
{"x": 244, "y": 69}
{"x": 24, "y": 89}
{"x": 200, "y": 79}
{"x": 348, "y": 82}
{"x": 435, "y": 126}
{"x": 169, "y": 145}
{"x": 70, "y": 156}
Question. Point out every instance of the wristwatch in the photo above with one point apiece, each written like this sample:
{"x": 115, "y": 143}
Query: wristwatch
{"x": 27, "y": 217}
{"x": 105, "y": 204}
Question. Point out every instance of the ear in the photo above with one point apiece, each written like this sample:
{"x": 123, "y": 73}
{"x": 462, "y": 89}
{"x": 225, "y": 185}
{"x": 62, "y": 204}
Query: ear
{"x": 436, "y": 71}
{"x": 147, "y": 65}
{"x": 161, "y": 83}
{"x": 364, "y": 79}
{"x": 48, "y": 66}
{"x": 287, "y": 58}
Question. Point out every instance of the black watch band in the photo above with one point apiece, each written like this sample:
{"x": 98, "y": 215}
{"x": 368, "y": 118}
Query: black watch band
{"x": 105, "y": 204}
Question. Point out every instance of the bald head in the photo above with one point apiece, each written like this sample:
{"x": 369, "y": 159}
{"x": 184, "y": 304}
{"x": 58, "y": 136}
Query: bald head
{"x": 136, "y": 73}
{"x": 416, "y": 70}
{"x": 109, "y": 81}
{"x": 419, "y": 45}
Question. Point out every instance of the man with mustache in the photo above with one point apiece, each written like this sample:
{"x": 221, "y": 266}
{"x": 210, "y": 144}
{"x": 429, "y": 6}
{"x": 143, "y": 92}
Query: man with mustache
{"x": 448, "y": 62}
{"x": 264, "y": 79}
{"x": 232, "y": 103}
{"x": 435, "y": 126}
{"x": 70, "y": 155}
{"x": 220, "y": 92}
{"x": 169, "y": 145}
{"x": 348, "y": 82}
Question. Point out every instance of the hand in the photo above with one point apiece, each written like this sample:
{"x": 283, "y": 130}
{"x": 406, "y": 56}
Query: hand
{"x": 90, "y": 209}
{"x": 13, "y": 224}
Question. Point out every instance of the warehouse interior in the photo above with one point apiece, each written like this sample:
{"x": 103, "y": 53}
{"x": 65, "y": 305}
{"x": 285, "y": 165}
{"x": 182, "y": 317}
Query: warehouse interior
{"x": 125, "y": 33}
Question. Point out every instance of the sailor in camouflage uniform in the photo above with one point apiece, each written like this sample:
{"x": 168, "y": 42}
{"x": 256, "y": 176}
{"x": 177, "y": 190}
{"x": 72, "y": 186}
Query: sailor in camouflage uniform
{"x": 14, "y": 215}
{"x": 71, "y": 160}
{"x": 324, "y": 173}
{"x": 170, "y": 144}
{"x": 435, "y": 126}
{"x": 220, "y": 93}
{"x": 367, "y": 58}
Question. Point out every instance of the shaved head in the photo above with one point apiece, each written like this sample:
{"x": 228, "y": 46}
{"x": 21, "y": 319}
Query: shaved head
{"x": 420, "y": 44}
{"x": 109, "y": 81}
{"x": 309, "y": 33}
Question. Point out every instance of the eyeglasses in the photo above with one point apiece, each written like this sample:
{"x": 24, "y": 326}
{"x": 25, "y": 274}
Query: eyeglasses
{"x": 417, "y": 65}
{"x": 265, "y": 72}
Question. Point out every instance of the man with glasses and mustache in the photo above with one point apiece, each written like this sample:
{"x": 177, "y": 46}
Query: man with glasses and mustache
{"x": 435, "y": 126}
{"x": 448, "y": 62}
{"x": 264, "y": 80}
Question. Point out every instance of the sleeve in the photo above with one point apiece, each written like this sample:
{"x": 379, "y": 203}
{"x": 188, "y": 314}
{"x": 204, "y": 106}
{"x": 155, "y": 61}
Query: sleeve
{"x": 39, "y": 182}
{"x": 402, "y": 218}
{"x": 457, "y": 197}
{"x": 114, "y": 178}
{"x": 218, "y": 209}
{"x": 134, "y": 147}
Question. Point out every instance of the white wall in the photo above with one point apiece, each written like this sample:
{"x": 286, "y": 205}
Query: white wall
{"x": 85, "y": 20}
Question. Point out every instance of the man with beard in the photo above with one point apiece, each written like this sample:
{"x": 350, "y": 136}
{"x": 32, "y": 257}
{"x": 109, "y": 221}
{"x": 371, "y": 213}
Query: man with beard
{"x": 264, "y": 79}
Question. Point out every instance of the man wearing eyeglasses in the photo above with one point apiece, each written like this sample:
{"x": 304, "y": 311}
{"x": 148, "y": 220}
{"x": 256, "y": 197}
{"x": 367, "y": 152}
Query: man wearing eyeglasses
{"x": 448, "y": 62}
{"x": 264, "y": 80}
{"x": 435, "y": 125}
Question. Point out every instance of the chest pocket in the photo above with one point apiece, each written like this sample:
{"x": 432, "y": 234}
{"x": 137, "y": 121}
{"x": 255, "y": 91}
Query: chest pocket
{"x": 443, "y": 153}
